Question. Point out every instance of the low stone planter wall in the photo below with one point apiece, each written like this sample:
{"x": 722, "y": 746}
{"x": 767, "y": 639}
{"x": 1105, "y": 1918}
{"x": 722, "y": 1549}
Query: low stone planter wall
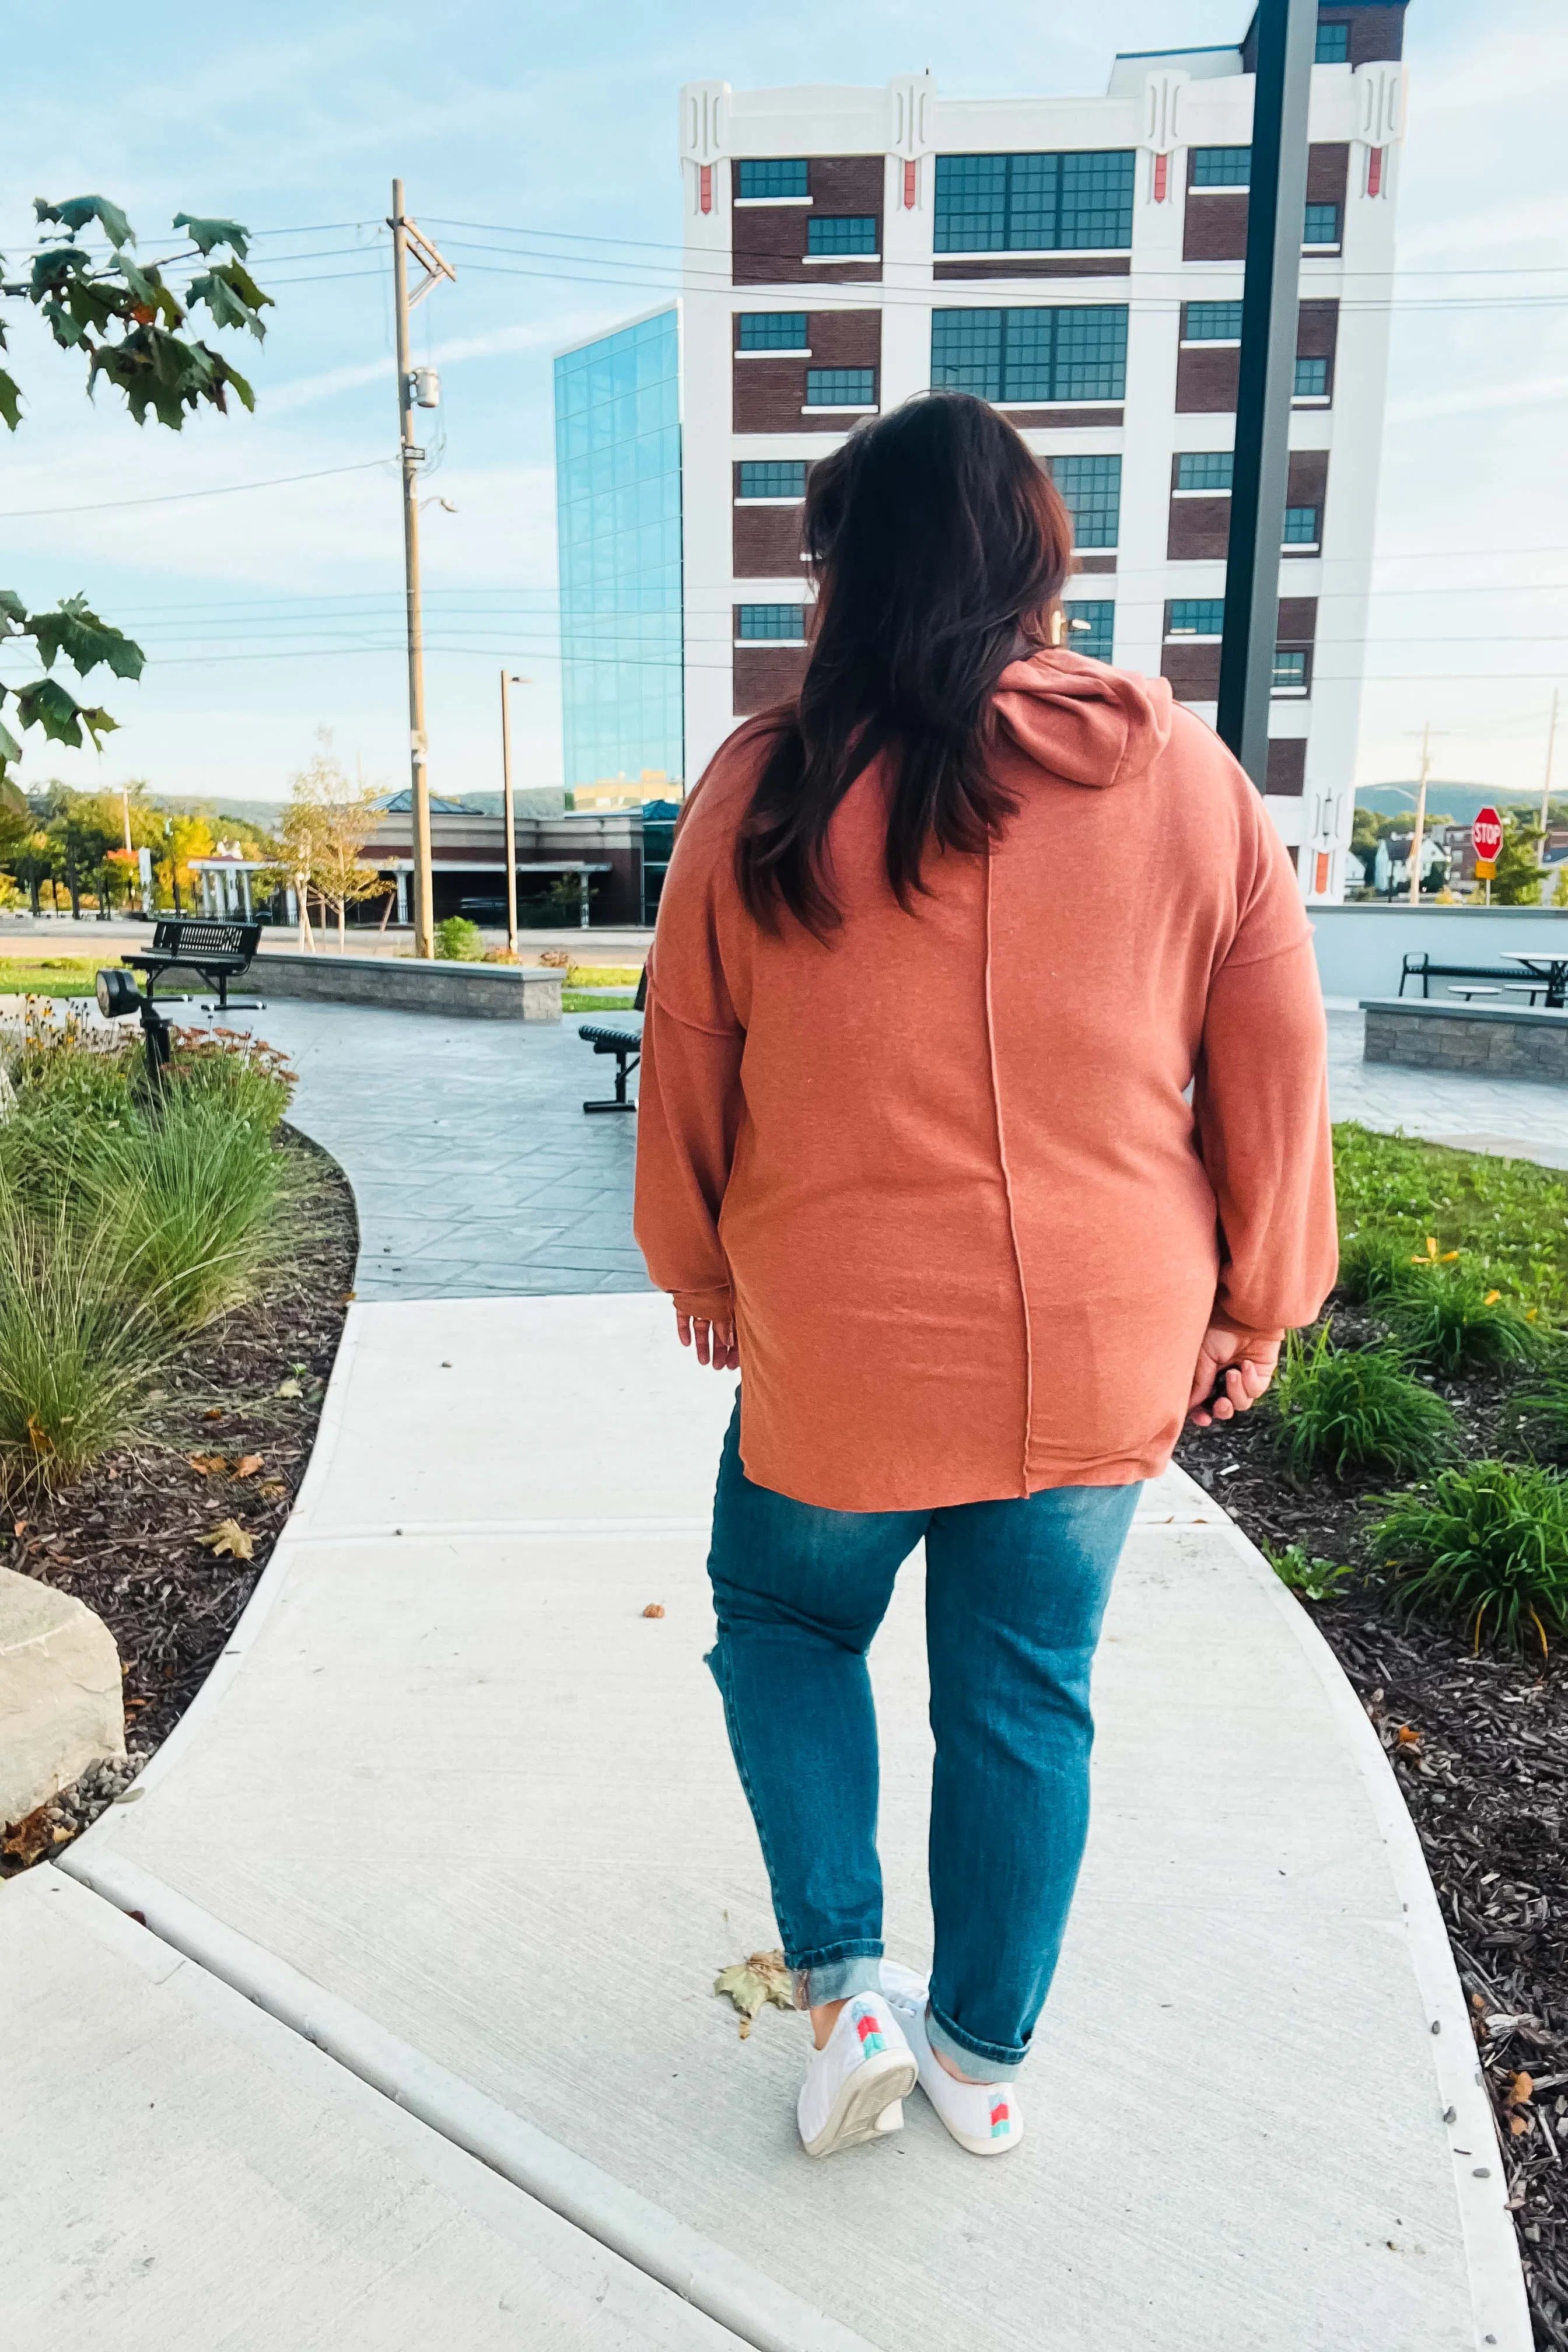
{"x": 1502, "y": 1041}
{"x": 480, "y": 992}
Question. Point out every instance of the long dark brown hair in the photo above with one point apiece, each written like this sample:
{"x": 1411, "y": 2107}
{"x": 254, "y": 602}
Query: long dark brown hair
{"x": 938, "y": 546}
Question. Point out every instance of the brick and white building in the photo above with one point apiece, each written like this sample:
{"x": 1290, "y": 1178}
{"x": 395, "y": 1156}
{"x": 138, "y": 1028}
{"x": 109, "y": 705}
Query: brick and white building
{"x": 1079, "y": 261}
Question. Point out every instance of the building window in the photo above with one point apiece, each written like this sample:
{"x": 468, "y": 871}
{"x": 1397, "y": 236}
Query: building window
{"x": 1204, "y": 469}
{"x": 1196, "y": 616}
{"x": 1035, "y": 204}
{"x": 773, "y": 331}
{"x": 841, "y": 387}
{"x": 1212, "y": 322}
{"x": 840, "y": 233}
{"x": 1312, "y": 380}
{"x": 1222, "y": 167}
{"x": 1333, "y": 45}
{"x": 1091, "y": 491}
{"x": 1322, "y": 225}
{"x": 1289, "y": 670}
{"x": 1300, "y": 527}
{"x": 767, "y": 176}
{"x": 1040, "y": 354}
{"x": 1090, "y": 628}
{"x": 772, "y": 478}
{"x": 774, "y": 624}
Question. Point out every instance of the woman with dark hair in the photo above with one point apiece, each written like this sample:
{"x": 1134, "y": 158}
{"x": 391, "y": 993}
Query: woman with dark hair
{"x": 984, "y": 1126}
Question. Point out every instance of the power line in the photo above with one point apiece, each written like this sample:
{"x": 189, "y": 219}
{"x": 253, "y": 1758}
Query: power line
{"x": 174, "y": 498}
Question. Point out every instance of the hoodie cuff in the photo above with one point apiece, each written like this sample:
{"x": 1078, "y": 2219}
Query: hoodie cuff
{"x": 717, "y": 1305}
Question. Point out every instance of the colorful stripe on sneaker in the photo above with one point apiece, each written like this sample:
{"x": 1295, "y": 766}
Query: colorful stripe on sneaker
{"x": 868, "y": 2026}
{"x": 1001, "y": 2118}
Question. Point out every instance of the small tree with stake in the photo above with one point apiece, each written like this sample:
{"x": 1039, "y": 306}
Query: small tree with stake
{"x": 122, "y": 315}
{"x": 320, "y": 839}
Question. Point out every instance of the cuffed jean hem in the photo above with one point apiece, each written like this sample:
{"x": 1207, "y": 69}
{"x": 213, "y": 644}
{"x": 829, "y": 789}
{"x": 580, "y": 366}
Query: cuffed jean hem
{"x": 985, "y": 2059}
{"x": 834, "y": 1975}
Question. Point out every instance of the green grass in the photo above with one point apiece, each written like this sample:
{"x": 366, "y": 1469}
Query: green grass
{"x": 1344, "y": 1410}
{"x": 49, "y": 975}
{"x": 1507, "y": 1218}
{"x": 1448, "y": 1319}
{"x": 587, "y": 1000}
{"x": 75, "y": 1351}
{"x": 1485, "y": 1547}
{"x": 603, "y": 975}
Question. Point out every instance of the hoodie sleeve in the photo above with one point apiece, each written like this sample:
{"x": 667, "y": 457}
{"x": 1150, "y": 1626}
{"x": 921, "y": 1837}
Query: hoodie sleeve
{"x": 689, "y": 1096}
{"x": 1261, "y": 1102}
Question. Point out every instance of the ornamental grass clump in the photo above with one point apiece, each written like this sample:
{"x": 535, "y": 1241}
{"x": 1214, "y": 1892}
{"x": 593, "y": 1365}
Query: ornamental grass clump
{"x": 1450, "y": 1319}
{"x": 1486, "y": 1547}
{"x": 1371, "y": 1268}
{"x": 76, "y": 1351}
{"x": 1344, "y": 1410}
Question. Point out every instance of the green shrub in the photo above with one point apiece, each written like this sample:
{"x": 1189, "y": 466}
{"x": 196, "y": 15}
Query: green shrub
{"x": 1451, "y": 1320}
{"x": 1371, "y": 1268}
{"x": 1313, "y": 1579}
{"x": 1349, "y": 1409}
{"x": 1486, "y": 1545}
{"x": 193, "y": 1199}
{"x": 74, "y": 1353}
{"x": 459, "y": 941}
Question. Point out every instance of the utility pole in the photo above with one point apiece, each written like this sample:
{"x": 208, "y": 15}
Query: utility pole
{"x": 1419, "y": 829}
{"x": 1275, "y": 212}
{"x": 1546, "y": 783}
{"x": 508, "y": 812}
{"x": 405, "y": 236}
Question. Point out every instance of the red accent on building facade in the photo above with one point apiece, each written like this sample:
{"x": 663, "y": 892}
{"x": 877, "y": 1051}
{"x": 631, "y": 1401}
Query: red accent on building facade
{"x": 1374, "y": 171}
{"x": 1161, "y": 177}
{"x": 1320, "y": 873}
{"x": 705, "y": 187}
{"x": 910, "y": 177}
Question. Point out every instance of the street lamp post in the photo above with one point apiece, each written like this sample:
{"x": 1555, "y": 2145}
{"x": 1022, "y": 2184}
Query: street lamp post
{"x": 508, "y": 810}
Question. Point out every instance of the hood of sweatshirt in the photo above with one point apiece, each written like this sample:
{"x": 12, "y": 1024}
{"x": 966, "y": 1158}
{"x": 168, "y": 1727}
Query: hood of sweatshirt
{"x": 1081, "y": 721}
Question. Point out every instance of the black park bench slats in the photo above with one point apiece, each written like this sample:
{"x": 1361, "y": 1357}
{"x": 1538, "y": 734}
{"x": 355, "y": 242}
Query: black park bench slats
{"x": 626, "y": 1044}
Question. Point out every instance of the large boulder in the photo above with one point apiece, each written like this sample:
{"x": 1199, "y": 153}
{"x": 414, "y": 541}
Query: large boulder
{"x": 61, "y": 1704}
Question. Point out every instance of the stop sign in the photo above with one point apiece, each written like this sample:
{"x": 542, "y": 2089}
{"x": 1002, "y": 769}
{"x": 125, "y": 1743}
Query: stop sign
{"x": 1487, "y": 835}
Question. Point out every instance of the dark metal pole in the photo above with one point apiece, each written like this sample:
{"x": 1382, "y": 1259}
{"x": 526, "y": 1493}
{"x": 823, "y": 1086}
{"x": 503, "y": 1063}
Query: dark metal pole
{"x": 1287, "y": 38}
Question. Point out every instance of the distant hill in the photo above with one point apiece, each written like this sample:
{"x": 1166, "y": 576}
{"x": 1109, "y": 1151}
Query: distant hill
{"x": 1462, "y": 803}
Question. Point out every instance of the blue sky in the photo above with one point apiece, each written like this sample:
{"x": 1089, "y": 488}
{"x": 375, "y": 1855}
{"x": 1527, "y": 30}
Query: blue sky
{"x": 539, "y": 148}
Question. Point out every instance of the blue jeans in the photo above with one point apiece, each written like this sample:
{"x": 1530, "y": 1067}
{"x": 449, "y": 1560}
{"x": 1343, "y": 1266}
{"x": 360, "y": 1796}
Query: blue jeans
{"x": 1014, "y": 1595}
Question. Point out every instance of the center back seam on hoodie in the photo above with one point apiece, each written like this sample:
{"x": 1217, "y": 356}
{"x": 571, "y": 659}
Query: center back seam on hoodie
{"x": 1007, "y": 1190}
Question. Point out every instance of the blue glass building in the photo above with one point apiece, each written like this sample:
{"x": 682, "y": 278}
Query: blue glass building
{"x": 617, "y": 490}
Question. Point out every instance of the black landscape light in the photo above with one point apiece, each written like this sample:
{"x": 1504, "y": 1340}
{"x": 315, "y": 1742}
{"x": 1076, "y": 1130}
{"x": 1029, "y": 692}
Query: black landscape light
{"x": 118, "y": 994}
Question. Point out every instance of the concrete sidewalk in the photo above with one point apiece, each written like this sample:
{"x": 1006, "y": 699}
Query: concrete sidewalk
{"x": 455, "y": 1809}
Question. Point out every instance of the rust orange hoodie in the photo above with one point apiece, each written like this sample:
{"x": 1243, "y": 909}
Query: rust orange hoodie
{"x": 944, "y": 1167}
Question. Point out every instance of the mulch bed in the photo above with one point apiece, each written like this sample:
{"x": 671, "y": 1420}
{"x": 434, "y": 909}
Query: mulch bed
{"x": 1480, "y": 1744}
{"x": 227, "y": 1438}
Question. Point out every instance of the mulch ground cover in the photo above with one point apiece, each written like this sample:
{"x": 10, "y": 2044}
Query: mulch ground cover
{"x": 1480, "y": 1744}
{"x": 142, "y": 1538}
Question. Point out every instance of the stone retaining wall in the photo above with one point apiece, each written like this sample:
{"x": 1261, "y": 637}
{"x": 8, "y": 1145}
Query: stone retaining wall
{"x": 483, "y": 992}
{"x": 1502, "y": 1042}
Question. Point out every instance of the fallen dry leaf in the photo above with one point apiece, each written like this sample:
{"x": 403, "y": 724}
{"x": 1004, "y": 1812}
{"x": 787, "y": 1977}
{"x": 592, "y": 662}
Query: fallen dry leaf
{"x": 1521, "y": 2088}
{"x": 654, "y": 1608}
{"x": 213, "y": 1412}
{"x": 26, "y": 1840}
{"x": 228, "y": 1537}
{"x": 288, "y": 1389}
{"x": 270, "y": 1489}
{"x": 1407, "y": 1737}
{"x": 209, "y": 1464}
{"x": 247, "y": 1465}
{"x": 752, "y": 1983}
{"x": 1518, "y": 2126}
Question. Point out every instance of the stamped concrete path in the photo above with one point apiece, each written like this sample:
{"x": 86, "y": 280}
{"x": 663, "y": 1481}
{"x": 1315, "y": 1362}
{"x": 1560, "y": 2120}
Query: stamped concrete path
{"x": 460, "y": 1818}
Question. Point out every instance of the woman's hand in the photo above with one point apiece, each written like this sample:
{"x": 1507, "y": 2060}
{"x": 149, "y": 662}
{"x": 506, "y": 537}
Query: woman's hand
{"x": 714, "y": 1343}
{"x": 1252, "y": 1363}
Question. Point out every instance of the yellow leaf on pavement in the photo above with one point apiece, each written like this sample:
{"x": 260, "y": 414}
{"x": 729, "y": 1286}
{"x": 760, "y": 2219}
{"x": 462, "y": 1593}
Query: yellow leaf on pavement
{"x": 752, "y": 1983}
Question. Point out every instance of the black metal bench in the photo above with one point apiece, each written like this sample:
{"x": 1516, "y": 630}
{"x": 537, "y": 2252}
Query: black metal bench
{"x": 626, "y": 1044}
{"x": 220, "y": 951}
{"x": 1516, "y": 977}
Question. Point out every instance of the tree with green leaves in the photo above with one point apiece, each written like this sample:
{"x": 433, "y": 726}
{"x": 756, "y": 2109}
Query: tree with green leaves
{"x": 123, "y": 315}
{"x": 1517, "y": 882}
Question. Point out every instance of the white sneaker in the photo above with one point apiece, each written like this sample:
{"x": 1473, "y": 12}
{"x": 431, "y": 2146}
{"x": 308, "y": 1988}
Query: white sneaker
{"x": 984, "y": 2117}
{"x": 863, "y": 2069}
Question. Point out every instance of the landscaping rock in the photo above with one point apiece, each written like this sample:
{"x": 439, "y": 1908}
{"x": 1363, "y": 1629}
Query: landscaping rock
{"x": 60, "y": 1704}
